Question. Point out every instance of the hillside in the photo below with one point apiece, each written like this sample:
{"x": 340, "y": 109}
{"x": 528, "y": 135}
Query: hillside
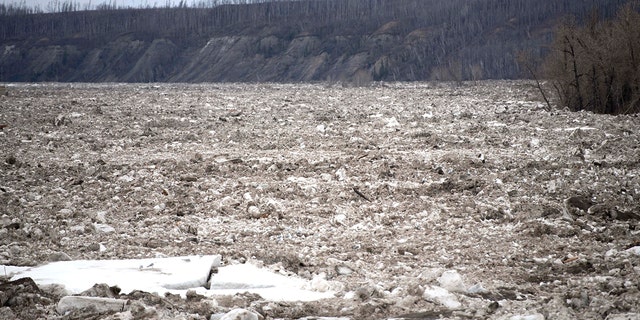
{"x": 285, "y": 41}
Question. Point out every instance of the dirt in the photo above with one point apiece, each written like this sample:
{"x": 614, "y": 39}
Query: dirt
{"x": 381, "y": 188}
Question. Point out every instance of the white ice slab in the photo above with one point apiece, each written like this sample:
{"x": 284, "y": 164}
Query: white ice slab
{"x": 441, "y": 295}
{"x": 153, "y": 275}
{"x": 269, "y": 285}
{"x": 175, "y": 275}
{"x": 70, "y": 303}
{"x": 634, "y": 250}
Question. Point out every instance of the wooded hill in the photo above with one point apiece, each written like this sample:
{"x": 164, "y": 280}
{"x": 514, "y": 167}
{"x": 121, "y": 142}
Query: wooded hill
{"x": 285, "y": 41}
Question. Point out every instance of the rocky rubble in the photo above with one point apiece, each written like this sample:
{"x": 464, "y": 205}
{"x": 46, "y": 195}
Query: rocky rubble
{"x": 423, "y": 200}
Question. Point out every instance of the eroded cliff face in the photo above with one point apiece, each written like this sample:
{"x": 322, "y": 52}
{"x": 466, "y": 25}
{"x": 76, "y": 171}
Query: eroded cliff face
{"x": 353, "y": 41}
{"x": 383, "y": 55}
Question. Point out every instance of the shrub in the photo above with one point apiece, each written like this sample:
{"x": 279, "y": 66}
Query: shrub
{"x": 596, "y": 67}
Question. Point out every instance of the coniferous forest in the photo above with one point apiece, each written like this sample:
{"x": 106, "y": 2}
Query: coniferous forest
{"x": 285, "y": 41}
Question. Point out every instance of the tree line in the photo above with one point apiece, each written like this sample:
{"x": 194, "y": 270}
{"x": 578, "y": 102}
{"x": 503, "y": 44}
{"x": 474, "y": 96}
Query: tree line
{"x": 57, "y": 6}
{"x": 456, "y": 18}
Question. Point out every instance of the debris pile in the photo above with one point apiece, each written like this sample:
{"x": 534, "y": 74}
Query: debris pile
{"x": 398, "y": 201}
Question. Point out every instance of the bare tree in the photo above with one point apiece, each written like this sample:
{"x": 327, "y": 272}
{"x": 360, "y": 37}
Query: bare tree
{"x": 595, "y": 67}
